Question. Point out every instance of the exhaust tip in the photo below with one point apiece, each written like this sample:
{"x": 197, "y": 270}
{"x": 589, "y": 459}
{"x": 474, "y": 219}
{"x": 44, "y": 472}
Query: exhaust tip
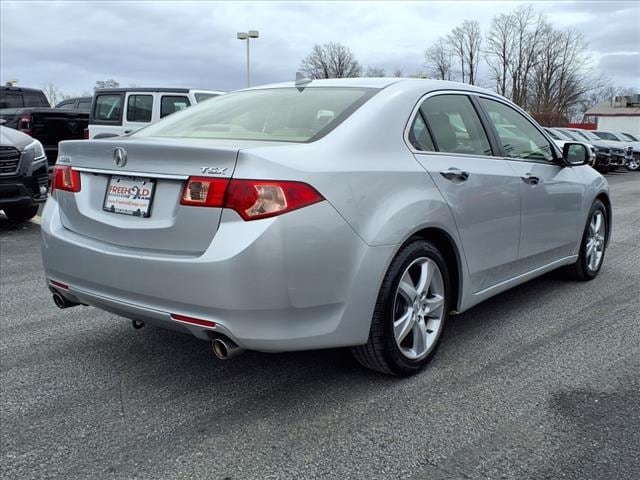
{"x": 224, "y": 348}
{"x": 220, "y": 349}
{"x": 62, "y": 302}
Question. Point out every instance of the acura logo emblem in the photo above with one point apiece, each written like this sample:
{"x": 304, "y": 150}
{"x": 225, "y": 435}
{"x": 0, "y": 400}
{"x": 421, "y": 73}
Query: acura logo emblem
{"x": 120, "y": 157}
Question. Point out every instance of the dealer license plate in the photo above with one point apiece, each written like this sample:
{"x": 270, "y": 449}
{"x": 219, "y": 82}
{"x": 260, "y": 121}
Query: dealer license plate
{"x": 129, "y": 195}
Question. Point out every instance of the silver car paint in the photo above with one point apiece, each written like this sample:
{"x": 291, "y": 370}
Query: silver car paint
{"x": 309, "y": 278}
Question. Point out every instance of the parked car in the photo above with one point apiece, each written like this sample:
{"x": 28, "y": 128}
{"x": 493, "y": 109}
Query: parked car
{"x": 119, "y": 111}
{"x": 633, "y": 161}
{"x": 78, "y": 103}
{"x": 620, "y": 154}
{"x": 28, "y": 110}
{"x": 291, "y": 218}
{"x": 560, "y": 139}
{"x": 23, "y": 174}
{"x": 602, "y": 150}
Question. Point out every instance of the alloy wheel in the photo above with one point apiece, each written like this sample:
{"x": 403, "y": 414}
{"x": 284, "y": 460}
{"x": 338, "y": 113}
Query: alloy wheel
{"x": 418, "y": 308}
{"x": 595, "y": 241}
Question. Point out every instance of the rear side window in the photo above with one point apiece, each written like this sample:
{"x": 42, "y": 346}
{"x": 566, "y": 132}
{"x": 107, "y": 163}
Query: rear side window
{"x": 66, "y": 105}
{"x": 108, "y": 108}
{"x": 276, "y": 114}
{"x": 35, "y": 99}
{"x": 172, "y": 104}
{"x": 419, "y": 135}
{"x": 139, "y": 108}
{"x": 10, "y": 100}
{"x": 518, "y": 136}
{"x": 455, "y": 125}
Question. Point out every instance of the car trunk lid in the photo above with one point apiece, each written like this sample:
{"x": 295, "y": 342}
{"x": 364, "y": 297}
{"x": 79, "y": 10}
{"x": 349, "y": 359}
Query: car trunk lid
{"x": 161, "y": 166}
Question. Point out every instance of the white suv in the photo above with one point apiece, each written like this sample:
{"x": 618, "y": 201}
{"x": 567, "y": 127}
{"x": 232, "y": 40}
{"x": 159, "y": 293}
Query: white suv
{"x": 118, "y": 111}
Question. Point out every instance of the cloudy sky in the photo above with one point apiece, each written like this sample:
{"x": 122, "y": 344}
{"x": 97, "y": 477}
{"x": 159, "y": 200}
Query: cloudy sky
{"x": 193, "y": 44}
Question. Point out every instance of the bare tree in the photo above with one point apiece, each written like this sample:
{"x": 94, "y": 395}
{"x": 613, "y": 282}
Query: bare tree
{"x": 457, "y": 43}
{"x": 331, "y": 60}
{"x": 500, "y": 51}
{"x": 397, "y": 72}
{"x": 473, "y": 42}
{"x": 438, "y": 57}
{"x": 375, "y": 72}
{"x": 111, "y": 83}
{"x": 53, "y": 93}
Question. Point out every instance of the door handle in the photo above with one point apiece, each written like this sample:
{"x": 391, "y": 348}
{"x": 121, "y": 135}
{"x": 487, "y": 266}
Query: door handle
{"x": 530, "y": 179}
{"x": 128, "y": 131}
{"x": 455, "y": 174}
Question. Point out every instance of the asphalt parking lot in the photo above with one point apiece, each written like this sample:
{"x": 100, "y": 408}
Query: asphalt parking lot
{"x": 541, "y": 382}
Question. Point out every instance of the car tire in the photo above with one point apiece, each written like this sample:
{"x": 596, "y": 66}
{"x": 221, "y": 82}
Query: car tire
{"x": 634, "y": 163}
{"x": 406, "y": 329}
{"x": 21, "y": 214}
{"x": 592, "y": 245}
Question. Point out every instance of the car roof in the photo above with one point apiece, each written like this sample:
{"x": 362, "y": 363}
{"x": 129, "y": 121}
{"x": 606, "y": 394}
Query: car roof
{"x": 20, "y": 89}
{"x": 154, "y": 89}
{"x": 419, "y": 84}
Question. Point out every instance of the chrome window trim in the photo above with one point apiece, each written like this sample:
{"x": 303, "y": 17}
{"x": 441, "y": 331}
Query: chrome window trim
{"x": 469, "y": 93}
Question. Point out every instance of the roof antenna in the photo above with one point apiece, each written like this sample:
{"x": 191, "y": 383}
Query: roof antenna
{"x": 302, "y": 81}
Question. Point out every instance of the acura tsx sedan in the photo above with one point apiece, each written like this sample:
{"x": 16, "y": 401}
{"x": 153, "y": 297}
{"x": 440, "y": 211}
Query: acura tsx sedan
{"x": 353, "y": 213}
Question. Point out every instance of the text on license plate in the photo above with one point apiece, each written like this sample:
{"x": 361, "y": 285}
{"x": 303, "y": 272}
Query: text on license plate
{"x": 129, "y": 195}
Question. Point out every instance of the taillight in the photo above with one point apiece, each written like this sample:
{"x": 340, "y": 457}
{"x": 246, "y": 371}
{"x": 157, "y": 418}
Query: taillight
{"x": 252, "y": 199}
{"x": 85, "y": 133}
{"x": 65, "y": 178}
{"x": 204, "y": 191}
{"x": 24, "y": 123}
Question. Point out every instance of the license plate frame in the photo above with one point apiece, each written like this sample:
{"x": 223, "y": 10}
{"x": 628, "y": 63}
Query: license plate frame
{"x": 125, "y": 203}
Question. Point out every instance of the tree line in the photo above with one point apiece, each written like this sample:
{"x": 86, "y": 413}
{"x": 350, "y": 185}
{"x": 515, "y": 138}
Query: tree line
{"x": 543, "y": 69}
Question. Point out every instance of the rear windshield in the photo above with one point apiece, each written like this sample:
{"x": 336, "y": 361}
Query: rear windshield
{"x": 280, "y": 114}
{"x": 201, "y": 96}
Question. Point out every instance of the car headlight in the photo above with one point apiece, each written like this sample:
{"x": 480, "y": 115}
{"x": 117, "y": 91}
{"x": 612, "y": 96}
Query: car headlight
{"x": 37, "y": 148}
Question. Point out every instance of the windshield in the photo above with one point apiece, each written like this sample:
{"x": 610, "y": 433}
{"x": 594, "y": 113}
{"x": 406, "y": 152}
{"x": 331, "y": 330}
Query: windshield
{"x": 571, "y": 135}
{"x": 278, "y": 114}
{"x": 587, "y": 134}
{"x": 607, "y": 136}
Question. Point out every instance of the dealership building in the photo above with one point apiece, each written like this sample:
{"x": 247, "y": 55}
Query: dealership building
{"x": 622, "y": 114}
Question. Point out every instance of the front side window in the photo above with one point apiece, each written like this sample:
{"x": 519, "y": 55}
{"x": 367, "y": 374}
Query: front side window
{"x": 65, "y": 105}
{"x": 277, "y": 114}
{"x": 518, "y": 136}
{"x": 455, "y": 125}
{"x": 139, "y": 108}
{"x": 108, "y": 108}
{"x": 171, "y": 104}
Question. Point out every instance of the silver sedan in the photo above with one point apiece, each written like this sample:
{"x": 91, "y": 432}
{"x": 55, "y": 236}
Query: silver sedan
{"x": 344, "y": 213}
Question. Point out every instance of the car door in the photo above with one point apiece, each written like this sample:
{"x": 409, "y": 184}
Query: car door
{"x": 140, "y": 111}
{"x": 106, "y": 115}
{"x": 551, "y": 191}
{"x": 481, "y": 190}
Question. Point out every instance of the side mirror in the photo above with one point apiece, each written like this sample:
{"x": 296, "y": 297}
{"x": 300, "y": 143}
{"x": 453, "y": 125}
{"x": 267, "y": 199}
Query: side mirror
{"x": 576, "y": 153}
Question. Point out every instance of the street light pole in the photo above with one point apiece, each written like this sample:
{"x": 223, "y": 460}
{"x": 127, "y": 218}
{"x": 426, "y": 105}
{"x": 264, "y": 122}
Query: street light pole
{"x": 247, "y": 36}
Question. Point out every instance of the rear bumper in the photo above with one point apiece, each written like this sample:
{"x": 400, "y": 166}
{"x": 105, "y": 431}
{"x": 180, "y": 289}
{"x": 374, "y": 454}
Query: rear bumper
{"x": 300, "y": 281}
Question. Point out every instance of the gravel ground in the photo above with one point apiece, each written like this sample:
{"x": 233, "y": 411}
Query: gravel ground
{"x": 541, "y": 382}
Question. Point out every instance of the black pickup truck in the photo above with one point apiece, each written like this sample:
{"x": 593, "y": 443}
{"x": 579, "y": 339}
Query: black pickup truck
{"x": 28, "y": 110}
